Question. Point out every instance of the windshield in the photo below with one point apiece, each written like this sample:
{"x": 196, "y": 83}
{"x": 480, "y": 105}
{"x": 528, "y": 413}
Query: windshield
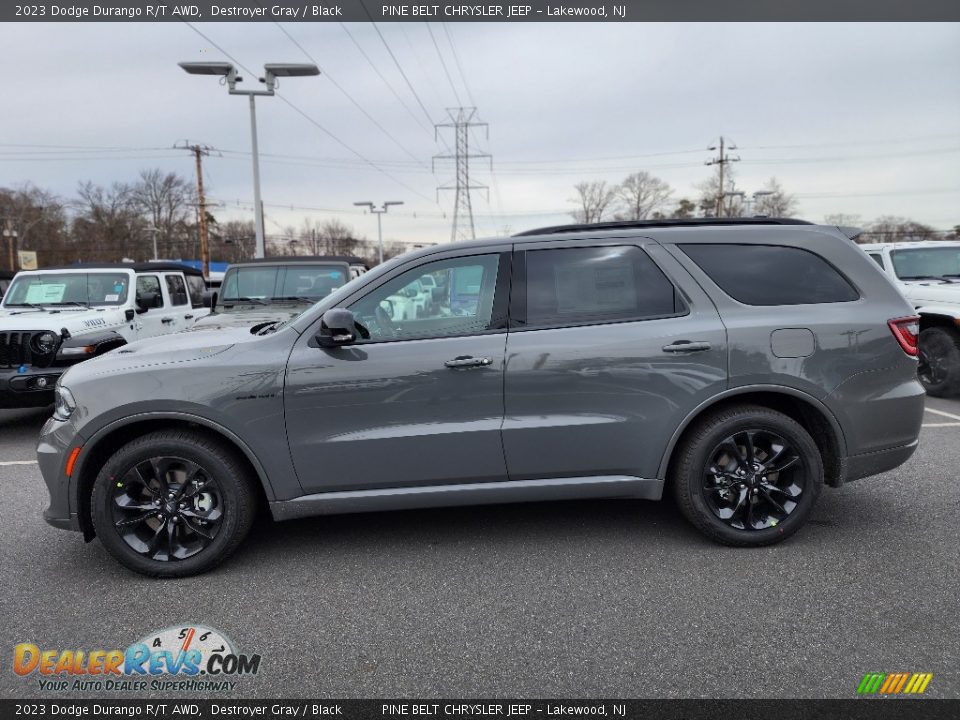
{"x": 94, "y": 289}
{"x": 294, "y": 282}
{"x": 927, "y": 262}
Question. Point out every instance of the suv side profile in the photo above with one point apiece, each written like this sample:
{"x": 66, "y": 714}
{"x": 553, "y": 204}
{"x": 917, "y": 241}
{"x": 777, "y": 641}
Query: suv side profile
{"x": 738, "y": 365}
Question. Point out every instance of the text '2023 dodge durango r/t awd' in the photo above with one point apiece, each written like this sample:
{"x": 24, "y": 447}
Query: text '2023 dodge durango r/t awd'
{"x": 741, "y": 365}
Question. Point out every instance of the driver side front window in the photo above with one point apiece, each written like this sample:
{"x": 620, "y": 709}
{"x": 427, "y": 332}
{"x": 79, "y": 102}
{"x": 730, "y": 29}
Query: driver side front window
{"x": 438, "y": 299}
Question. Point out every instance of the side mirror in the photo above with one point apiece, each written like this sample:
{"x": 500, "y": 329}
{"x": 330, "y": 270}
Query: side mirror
{"x": 338, "y": 327}
{"x": 147, "y": 300}
{"x": 209, "y": 298}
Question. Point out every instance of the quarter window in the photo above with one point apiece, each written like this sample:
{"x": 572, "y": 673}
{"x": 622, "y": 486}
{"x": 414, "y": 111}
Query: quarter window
{"x": 439, "y": 299}
{"x": 177, "y": 290}
{"x": 602, "y": 284}
{"x": 771, "y": 274}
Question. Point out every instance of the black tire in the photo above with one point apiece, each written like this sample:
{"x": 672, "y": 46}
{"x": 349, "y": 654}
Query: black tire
{"x": 939, "y": 369}
{"x": 203, "y": 537}
{"x": 703, "y": 496}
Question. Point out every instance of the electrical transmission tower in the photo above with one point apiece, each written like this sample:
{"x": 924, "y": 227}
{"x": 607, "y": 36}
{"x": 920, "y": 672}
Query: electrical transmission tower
{"x": 198, "y": 152}
{"x": 461, "y": 120}
{"x": 723, "y": 159}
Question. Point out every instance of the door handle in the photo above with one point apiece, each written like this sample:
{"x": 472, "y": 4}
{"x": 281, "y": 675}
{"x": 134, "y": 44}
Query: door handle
{"x": 167, "y": 321}
{"x": 188, "y": 317}
{"x": 683, "y": 346}
{"x": 466, "y": 362}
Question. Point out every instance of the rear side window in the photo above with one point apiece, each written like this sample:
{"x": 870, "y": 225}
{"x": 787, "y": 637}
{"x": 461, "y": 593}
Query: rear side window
{"x": 771, "y": 274}
{"x": 196, "y": 288}
{"x": 177, "y": 290}
{"x": 877, "y": 257}
{"x": 568, "y": 286}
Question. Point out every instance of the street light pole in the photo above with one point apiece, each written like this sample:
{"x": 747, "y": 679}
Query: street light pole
{"x": 271, "y": 72}
{"x": 378, "y": 212}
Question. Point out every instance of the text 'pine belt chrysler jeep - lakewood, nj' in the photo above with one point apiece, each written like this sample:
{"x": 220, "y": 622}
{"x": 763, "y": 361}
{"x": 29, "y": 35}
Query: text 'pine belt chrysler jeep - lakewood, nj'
{"x": 739, "y": 364}
{"x": 53, "y": 318}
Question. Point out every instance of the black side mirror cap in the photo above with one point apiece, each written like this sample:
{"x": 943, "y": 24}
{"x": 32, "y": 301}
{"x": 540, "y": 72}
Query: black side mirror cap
{"x": 147, "y": 300}
{"x": 338, "y": 327}
{"x": 210, "y": 298}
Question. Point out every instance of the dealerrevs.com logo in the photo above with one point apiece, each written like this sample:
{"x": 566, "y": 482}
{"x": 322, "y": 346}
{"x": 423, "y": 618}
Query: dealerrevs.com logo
{"x": 190, "y": 657}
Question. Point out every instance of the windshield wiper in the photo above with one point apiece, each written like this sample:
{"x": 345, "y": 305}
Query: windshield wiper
{"x": 298, "y": 298}
{"x": 229, "y": 302}
{"x": 26, "y": 304}
{"x": 72, "y": 303}
{"x": 923, "y": 277}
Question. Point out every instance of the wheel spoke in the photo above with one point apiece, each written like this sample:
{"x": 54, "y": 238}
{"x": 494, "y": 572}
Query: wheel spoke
{"x": 769, "y": 498}
{"x": 788, "y": 464}
{"x": 196, "y": 530}
{"x": 748, "y": 446}
{"x": 136, "y": 520}
{"x": 731, "y": 446}
{"x": 211, "y": 515}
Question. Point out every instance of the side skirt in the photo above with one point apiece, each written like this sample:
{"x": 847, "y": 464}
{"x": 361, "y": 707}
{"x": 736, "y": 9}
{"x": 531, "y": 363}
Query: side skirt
{"x": 508, "y": 491}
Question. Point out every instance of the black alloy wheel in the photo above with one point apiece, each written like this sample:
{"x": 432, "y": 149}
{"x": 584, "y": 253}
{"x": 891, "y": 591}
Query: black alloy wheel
{"x": 167, "y": 508}
{"x": 753, "y": 480}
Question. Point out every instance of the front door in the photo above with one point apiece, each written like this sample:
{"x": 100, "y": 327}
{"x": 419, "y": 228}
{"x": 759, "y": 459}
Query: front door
{"x": 419, "y": 402}
{"x": 610, "y": 347}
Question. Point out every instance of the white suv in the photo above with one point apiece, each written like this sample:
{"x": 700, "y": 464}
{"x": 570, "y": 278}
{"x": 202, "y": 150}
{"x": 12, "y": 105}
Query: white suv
{"x": 55, "y": 317}
{"x": 928, "y": 275}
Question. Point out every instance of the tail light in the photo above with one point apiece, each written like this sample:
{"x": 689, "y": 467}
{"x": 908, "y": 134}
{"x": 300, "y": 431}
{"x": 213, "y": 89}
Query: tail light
{"x": 907, "y": 332}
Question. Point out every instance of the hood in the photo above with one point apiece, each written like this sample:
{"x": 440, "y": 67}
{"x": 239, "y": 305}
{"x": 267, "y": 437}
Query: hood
{"x": 160, "y": 350}
{"x": 248, "y": 318}
{"x": 74, "y": 319}
{"x": 928, "y": 291}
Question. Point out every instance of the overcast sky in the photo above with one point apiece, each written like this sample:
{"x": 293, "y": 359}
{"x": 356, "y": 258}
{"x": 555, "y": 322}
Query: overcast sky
{"x": 854, "y": 118}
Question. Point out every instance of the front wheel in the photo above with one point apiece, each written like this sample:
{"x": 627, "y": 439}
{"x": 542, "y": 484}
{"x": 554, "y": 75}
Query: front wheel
{"x": 172, "y": 504}
{"x": 939, "y": 361}
{"x": 747, "y": 476}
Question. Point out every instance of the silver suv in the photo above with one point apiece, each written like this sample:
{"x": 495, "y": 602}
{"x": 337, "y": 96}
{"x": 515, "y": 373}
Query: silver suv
{"x": 739, "y": 365}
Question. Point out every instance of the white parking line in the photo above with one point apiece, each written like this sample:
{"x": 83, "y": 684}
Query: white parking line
{"x": 941, "y": 412}
{"x": 17, "y": 462}
{"x": 956, "y": 424}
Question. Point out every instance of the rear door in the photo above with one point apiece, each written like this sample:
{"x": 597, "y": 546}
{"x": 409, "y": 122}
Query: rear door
{"x": 611, "y": 345}
{"x": 180, "y": 316}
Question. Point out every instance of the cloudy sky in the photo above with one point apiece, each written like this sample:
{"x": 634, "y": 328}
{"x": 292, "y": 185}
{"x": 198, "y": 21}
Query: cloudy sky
{"x": 862, "y": 119}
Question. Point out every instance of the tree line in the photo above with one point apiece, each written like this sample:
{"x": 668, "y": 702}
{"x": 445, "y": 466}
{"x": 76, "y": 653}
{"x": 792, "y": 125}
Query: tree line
{"x": 127, "y": 220}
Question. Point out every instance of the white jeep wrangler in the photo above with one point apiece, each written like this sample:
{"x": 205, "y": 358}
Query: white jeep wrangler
{"x": 55, "y": 317}
{"x": 928, "y": 275}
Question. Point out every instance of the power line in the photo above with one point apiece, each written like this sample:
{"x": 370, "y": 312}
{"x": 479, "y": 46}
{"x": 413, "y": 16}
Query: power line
{"x": 349, "y": 97}
{"x": 384, "y": 79}
{"x": 311, "y": 120}
{"x": 443, "y": 64}
{"x": 722, "y": 160}
{"x": 461, "y": 122}
{"x": 456, "y": 58}
{"x": 397, "y": 63}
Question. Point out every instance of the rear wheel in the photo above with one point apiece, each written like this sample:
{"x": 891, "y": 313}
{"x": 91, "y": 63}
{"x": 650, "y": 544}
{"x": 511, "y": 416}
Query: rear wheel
{"x": 747, "y": 476}
{"x": 172, "y": 504}
{"x": 939, "y": 368}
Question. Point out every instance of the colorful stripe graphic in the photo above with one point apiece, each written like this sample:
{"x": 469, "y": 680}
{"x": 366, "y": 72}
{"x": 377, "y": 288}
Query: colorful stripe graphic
{"x": 894, "y": 683}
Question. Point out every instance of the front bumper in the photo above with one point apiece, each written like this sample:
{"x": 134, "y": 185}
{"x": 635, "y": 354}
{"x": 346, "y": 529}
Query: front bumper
{"x": 56, "y": 440}
{"x": 28, "y": 386}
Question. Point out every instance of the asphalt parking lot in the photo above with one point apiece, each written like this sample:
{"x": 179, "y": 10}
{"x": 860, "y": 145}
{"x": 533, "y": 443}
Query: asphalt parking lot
{"x": 589, "y": 599}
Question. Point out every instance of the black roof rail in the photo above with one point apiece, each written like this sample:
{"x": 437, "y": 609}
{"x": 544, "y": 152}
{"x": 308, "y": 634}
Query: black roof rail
{"x": 159, "y": 266}
{"x": 668, "y": 222}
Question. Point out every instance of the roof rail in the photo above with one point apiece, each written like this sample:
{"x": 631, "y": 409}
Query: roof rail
{"x": 667, "y": 222}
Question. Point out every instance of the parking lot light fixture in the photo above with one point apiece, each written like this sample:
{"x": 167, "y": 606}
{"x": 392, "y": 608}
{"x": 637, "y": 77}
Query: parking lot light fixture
{"x": 271, "y": 72}
{"x": 378, "y": 212}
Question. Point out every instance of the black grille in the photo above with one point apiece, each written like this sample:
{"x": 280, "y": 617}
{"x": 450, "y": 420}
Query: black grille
{"x": 15, "y": 350}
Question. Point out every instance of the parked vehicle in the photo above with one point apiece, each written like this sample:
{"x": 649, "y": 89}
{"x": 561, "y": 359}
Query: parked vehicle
{"x": 739, "y": 364}
{"x": 928, "y": 275}
{"x": 256, "y": 293}
{"x": 5, "y": 277}
{"x": 56, "y": 317}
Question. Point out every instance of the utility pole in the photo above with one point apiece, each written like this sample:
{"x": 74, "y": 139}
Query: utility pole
{"x": 461, "y": 120}
{"x": 722, "y": 160}
{"x": 11, "y": 235}
{"x": 198, "y": 152}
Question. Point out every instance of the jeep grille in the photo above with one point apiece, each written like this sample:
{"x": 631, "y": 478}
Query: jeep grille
{"x": 16, "y": 350}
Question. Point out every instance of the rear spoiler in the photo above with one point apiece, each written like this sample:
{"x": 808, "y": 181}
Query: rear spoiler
{"x": 852, "y": 233}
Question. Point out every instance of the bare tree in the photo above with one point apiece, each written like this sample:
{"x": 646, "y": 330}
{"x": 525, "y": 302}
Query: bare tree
{"x": 843, "y": 220}
{"x": 165, "y": 199}
{"x": 640, "y": 194}
{"x": 37, "y": 218}
{"x": 710, "y": 201}
{"x": 233, "y": 240}
{"x": 897, "y": 229}
{"x": 594, "y": 199}
{"x": 685, "y": 209}
{"x": 338, "y": 238}
{"x": 108, "y": 225}
{"x": 777, "y": 203}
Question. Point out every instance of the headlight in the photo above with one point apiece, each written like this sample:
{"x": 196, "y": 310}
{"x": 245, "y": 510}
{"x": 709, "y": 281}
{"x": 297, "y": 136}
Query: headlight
{"x": 44, "y": 343}
{"x": 64, "y": 404}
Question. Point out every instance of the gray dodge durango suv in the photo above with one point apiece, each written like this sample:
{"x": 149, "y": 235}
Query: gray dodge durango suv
{"x": 738, "y": 365}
